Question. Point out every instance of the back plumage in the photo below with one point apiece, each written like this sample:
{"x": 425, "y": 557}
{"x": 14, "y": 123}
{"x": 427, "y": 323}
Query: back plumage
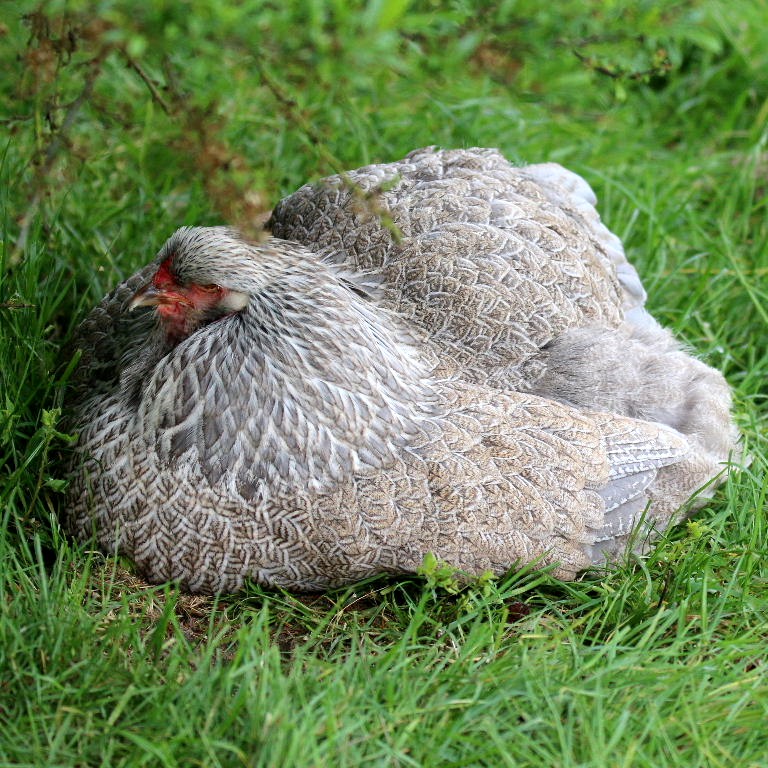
{"x": 485, "y": 258}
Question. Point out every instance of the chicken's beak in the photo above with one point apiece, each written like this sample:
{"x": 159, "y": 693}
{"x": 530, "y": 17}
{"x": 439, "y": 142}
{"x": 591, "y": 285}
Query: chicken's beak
{"x": 150, "y": 295}
{"x": 147, "y": 296}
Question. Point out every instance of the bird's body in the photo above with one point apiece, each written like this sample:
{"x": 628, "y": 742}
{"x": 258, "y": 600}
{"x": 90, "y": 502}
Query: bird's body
{"x": 516, "y": 283}
{"x": 276, "y": 418}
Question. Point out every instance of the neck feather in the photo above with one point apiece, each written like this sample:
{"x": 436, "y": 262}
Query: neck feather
{"x": 311, "y": 382}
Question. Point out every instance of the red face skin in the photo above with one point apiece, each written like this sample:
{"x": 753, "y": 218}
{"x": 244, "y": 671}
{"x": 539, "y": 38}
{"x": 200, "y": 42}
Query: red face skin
{"x": 181, "y": 308}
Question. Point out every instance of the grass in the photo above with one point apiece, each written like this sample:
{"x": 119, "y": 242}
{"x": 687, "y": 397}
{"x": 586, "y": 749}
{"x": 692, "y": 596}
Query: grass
{"x": 123, "y": 122}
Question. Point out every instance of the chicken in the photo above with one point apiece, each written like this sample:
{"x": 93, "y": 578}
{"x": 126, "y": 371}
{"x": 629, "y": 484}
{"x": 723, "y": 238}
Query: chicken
{"x": 305, "y": 419}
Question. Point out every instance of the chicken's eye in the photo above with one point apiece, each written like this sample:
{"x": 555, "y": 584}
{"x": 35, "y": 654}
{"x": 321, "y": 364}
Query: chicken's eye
{"x": 211, "y": 289}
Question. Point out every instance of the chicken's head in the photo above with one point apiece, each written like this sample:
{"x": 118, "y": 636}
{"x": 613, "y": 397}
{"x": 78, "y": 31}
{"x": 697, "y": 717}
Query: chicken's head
{"x": 184, "y": 289}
